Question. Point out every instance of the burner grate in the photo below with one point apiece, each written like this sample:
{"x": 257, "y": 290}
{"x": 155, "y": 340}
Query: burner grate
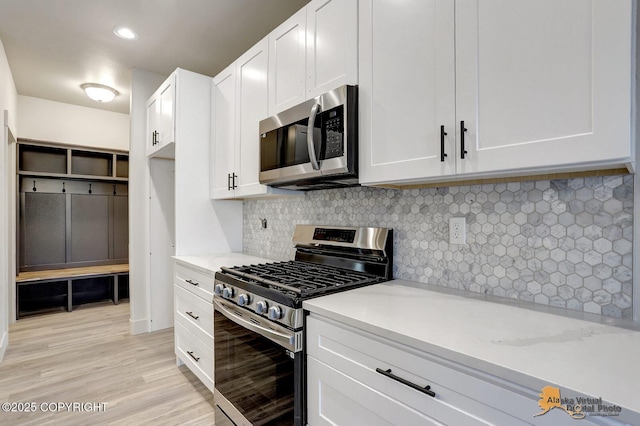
{"x": 301, "y": 278}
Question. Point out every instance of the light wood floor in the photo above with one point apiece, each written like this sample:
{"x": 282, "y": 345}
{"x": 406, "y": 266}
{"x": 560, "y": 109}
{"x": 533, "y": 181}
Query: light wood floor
{"x": 88, "y": 356}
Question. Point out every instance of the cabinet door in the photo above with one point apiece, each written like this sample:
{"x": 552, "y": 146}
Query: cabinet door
{"x": 543, "y": 83}
{"x": 153, "y": 106}
{"x": 332, "y": 45}
{"x": 167, "y": 112}
{"x": 251, "y": 107}
{"x": 223, "y": 132}
{"x": 406, "y": 89}
{"x": 287, "y": 63}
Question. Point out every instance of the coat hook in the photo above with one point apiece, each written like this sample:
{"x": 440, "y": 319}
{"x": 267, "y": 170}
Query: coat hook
{"x": 63, "y": 190}
{"x": 34, "y": 186}
{"x": 90, "y": 189}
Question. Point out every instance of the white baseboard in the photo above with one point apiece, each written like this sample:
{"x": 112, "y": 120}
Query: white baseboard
{"x": 4, "y": 341}
{"x": 139, "y": 326}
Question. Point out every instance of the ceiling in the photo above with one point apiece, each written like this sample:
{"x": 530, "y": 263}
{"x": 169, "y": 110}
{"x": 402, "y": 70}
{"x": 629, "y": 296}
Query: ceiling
{"x": 53, "y": 46}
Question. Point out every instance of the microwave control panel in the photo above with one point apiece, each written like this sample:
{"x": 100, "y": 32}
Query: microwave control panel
{"x": 334, "y": 131}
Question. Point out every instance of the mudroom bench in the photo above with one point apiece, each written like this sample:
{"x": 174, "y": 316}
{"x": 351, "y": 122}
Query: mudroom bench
{"x": 37, "y": 291}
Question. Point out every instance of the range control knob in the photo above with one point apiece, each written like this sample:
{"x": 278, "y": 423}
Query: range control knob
{"x": 227, "y": 293}
{"x": 244, "y": 299}
{"x": 275, "y": 313}
{"x": 218, "y": 289}
{"x": 261, "y": 307}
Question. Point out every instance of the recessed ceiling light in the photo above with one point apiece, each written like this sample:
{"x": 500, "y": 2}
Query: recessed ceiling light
{"x": 99, "y": 92}
{"x": 125, "y": 33}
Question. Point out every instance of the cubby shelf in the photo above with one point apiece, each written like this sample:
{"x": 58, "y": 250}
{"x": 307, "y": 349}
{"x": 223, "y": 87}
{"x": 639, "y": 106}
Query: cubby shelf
{"x": 42, "y": 159}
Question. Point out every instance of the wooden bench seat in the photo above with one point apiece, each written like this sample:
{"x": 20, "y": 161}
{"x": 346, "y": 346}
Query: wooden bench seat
{"x": 70, "y": 275}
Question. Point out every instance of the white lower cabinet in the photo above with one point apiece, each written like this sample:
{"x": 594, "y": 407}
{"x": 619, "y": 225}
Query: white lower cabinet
{"x": 346, "y": 385}
{"x": 193, "y": 321}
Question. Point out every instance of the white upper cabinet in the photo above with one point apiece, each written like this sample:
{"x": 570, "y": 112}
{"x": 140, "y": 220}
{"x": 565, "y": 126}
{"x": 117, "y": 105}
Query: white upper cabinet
{"x": 223, "y": 128}
{"x": 526, "y": 86}
{"x": 160, "y": 120}
{"x": 543, "y": 84}
{"x": 407, "y": 89}
{"x": 287, "y": 46}
{"x": 251, "y": 107}
{"x": 312, "y": 52}
{"x": 239, "y": 103}
{"x": 332, "y": 45}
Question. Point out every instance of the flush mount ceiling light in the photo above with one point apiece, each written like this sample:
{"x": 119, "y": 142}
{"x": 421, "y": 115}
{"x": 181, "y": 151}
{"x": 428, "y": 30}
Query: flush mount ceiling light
{"x": 99, "y": 92}
{"x": 125, "y": 33}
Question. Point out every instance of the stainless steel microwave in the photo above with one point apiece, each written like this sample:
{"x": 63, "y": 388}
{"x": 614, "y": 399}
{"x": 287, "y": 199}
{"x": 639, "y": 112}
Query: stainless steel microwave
{"x": 293, "y": 157}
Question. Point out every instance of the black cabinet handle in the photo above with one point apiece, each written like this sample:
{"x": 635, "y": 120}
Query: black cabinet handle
{"x": 442, "y": 135}
{"x": 463, "y": 129}
{"x": 234, "y": 186}
{"x": 195, "y": 317}
{"x": 228, "y": 181}
{"x": 197, "y": 359}
{"x": 193, "y": 283}
{"x": 426, "y": 389}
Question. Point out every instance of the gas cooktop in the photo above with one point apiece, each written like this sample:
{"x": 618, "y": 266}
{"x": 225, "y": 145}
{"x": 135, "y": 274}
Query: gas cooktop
{"x": 327, "y": 260}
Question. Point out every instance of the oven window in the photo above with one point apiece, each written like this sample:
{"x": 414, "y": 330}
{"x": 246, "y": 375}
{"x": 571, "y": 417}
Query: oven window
{"x": 253, "y": 373}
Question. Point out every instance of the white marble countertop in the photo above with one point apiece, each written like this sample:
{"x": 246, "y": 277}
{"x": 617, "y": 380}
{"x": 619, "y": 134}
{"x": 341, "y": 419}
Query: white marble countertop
{"x": 526, "y": 346}
{"x": 209, "y": 263}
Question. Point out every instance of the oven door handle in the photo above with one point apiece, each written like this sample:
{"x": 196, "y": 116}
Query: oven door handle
{"x": 287, "y": 339}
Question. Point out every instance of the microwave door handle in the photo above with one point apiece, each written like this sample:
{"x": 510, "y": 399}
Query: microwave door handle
{"x": 311, "y": 146}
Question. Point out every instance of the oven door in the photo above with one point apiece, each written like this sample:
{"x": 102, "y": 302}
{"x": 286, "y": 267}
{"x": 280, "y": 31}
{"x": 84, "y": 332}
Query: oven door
{"x": 258, "y": 369}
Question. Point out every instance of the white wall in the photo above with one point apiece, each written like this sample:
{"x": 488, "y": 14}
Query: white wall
{"x": 143, "y": 84}
{"x": 44, "y": 120}
{"x": 636, "y": 181}
{"x": 8, "y": 111}
{"x": 8, "y": 93}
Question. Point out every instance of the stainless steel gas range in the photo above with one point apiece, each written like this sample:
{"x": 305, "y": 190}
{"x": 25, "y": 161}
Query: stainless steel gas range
{"x": 259, "y": 322}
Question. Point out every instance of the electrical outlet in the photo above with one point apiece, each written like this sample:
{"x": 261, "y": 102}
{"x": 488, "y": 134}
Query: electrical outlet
{"x": 457, "y": 230}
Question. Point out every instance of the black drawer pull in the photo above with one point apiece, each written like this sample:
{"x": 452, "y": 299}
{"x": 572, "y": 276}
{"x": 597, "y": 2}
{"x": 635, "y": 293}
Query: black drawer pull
{"x": 195, "y": 317}
{"x": 426, "y": 389}
{"x": 197, "y": 359}
{"x": 193, "y": 283}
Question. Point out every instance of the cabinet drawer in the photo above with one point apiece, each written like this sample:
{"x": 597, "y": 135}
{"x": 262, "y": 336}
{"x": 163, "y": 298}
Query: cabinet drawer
{"x": 194, "y": 281}
{"x": 195, "y": 353}
{"x": 333, "y": 398}
{"x": 195, "y": 310}
{"x": 462, "y": 396}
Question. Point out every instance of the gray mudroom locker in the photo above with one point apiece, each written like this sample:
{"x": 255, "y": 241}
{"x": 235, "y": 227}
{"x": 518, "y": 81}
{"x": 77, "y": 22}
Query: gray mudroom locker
{"x": 73, "y": 212}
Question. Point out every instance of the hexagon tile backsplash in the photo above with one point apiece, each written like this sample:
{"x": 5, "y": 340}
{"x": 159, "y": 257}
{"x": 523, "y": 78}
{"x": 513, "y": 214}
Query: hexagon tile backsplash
{"x": 565, "y": 242}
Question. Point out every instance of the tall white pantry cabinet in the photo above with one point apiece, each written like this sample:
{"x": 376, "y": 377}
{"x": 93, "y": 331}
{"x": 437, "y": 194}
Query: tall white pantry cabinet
{"x": 183, "y": 220}
{"x": 474, "y": 89}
